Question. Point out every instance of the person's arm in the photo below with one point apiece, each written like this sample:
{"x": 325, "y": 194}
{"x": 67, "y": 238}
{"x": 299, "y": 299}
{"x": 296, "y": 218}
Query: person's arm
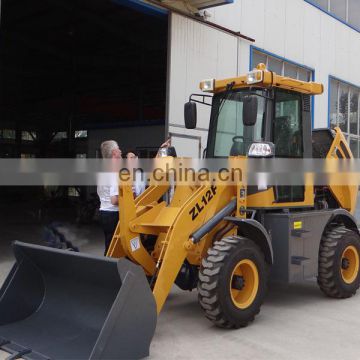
{"x": 114, "y": 200}
{"x": 114, "y": 191}
{"x": 166, "y": 144}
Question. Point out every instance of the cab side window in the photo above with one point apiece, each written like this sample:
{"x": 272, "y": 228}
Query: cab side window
{"x": 287, "y": 128}
{"x": 288, "y": 139}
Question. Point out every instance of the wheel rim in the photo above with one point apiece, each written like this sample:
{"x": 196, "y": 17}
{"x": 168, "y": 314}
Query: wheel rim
{"x": 244, "y": 283}
{"x": 350, "y": 264}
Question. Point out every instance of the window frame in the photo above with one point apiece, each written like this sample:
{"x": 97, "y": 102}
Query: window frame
{"x": 291, "y": 62}
{"x": 7, "y": 138}
{"x": 348, "y": 135}
{"x": 328, "y": 12}
{"x": 214, "y": 121}
{"x": 299, "y": 116}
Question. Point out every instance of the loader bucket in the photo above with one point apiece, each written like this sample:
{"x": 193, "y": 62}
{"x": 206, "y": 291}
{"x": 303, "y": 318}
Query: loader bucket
{"x": 58, "y": 304}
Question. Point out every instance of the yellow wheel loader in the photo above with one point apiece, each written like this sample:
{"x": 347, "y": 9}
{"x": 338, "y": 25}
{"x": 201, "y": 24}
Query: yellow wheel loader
{"x": 225, "y": 239}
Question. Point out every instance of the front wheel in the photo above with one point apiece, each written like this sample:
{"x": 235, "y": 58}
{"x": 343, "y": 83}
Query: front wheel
{"x": 232, "y": 282}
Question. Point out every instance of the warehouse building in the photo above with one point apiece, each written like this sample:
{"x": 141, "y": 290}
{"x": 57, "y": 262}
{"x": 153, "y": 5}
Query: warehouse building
{"x": 74, "y": 73}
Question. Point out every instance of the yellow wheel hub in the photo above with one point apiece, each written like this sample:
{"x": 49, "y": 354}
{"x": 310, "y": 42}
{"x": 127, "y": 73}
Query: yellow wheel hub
{"x": 350, "y": 264}
{"x": 244, "y": 284}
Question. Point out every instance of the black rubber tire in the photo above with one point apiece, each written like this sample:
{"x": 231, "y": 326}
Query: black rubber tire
{"x": 332, "y": 245}
{"x": 214, "y": 281}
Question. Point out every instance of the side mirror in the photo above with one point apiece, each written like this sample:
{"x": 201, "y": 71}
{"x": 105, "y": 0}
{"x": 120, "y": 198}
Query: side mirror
{"x": 190, "y": 115}
{"x": 250, "y": 108}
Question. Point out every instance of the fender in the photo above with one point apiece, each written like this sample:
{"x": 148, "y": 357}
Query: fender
{"x": 343, "y": 216}
{"x": 255, "y": 231}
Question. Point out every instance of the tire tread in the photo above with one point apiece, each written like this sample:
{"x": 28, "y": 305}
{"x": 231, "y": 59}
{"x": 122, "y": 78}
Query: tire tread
{"x": 327, "y": 279}
{"x": 209, "y": 280}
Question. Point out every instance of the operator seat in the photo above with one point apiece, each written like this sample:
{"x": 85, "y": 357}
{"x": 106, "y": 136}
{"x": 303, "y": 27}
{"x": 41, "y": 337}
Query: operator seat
{"x": 282, "y": 134}
{"x": 238, "y": 147}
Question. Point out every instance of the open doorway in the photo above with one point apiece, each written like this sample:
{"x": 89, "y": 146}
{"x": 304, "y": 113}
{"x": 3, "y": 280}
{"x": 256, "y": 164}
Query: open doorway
{"x": 74, "y": 73}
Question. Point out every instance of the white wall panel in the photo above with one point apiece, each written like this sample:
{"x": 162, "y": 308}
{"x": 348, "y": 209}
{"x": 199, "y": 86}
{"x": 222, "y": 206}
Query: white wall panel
{"x": 228, "y": 14}
{"x": 327, "y": 64}
{"x": 275, "y": 21}
{"x": 354, "y": 54}
{"x": 312, "y": 37}
{"x": 243, "y": 57}
{"x": 294, "y": 34}
{"x": 342, "y": 50}
{"x": 196, "y": 134}
{"x": 252, "y": 23}
{"x": 186, "y": 146}
{"x": 197, "y": 52}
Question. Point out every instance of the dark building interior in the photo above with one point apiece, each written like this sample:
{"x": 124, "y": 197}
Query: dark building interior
{"x": 71, "y": 68}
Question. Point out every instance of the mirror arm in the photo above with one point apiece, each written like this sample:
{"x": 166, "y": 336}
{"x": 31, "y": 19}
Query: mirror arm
{"x": 191, "y": 99}
{"x": 259, "y": 95}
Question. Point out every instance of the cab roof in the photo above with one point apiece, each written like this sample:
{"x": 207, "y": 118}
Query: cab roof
{"x": 260, "y": 77}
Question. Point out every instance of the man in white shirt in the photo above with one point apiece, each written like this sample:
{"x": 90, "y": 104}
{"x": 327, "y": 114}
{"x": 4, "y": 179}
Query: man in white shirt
{"x": 108, "y": 192}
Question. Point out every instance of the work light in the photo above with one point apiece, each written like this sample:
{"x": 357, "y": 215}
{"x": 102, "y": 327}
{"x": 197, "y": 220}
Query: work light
{"x": 207, "y": 85}
{"x": 261, "y": 149}
{"x": 254, "y": 77}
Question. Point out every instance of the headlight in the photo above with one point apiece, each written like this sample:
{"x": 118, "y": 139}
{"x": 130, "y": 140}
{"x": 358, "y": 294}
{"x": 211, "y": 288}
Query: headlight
{"x": 207, "y": 85}
{"x": 261, "y": 149}
{"x": 253, "y": 77}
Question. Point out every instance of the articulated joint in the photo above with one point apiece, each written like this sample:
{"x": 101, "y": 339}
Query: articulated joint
{"x": 189, "y": 244}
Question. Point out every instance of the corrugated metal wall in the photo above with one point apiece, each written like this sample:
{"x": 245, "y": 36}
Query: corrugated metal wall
{"x": 299, "y": 32}
{"x": 197, "y": 52}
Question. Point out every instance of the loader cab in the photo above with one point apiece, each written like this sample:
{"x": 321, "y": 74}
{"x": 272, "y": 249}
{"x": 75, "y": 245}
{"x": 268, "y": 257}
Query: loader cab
{"x": 282, "y": 118}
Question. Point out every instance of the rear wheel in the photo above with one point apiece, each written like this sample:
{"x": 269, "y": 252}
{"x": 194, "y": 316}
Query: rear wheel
{"x": 232, "y": 282}
{"x": 339, "y": 262}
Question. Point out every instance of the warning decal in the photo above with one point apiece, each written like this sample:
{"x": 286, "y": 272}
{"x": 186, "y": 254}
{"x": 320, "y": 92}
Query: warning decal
{"x": 135, "y": 244}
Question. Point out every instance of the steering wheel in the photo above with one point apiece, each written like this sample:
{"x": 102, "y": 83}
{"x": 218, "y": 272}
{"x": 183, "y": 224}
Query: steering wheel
{"x": 235, "y": 138}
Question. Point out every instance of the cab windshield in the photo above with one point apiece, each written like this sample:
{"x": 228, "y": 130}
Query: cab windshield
{"x": 228, "y": 136}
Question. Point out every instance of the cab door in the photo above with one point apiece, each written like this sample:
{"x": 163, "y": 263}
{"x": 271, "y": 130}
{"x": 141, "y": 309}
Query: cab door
{"x": 288, "y": 138}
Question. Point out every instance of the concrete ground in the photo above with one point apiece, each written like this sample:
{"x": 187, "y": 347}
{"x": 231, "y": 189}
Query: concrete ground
{"x": 296, "y": 322}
